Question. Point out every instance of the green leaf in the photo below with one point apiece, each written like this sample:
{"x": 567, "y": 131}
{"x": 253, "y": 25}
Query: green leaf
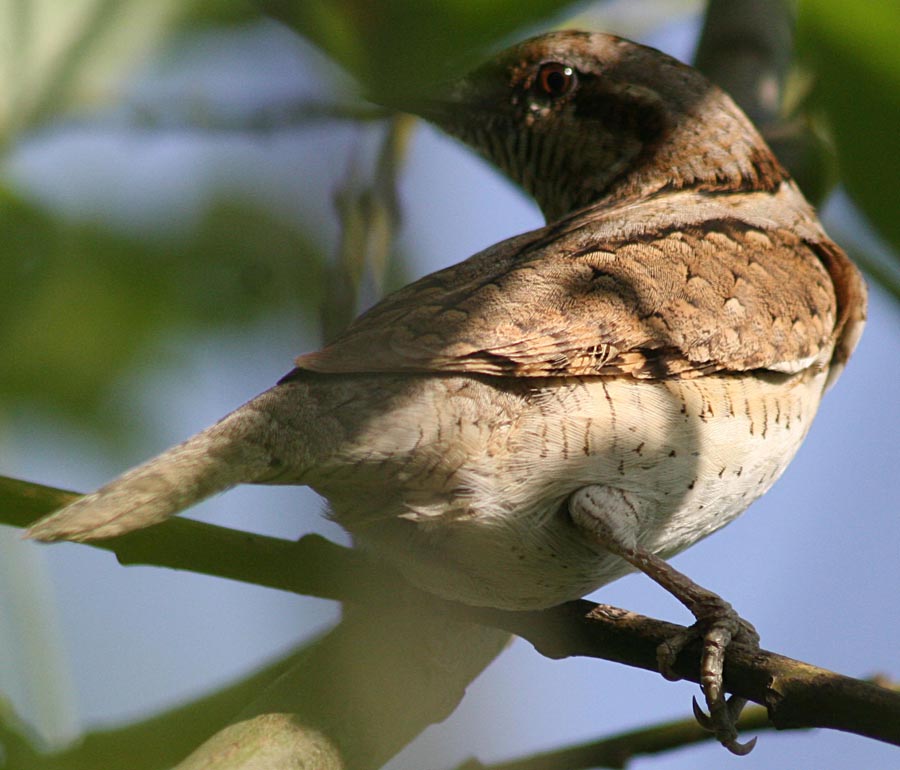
{"x": 400, "y": 46}
{"x": 854, "y": 52}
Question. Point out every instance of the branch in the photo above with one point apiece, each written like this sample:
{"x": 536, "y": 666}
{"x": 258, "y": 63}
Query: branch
{"x": 795, "y": 694}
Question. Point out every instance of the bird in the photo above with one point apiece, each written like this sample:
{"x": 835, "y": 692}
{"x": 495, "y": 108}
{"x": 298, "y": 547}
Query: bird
{"x": 576, "y": 402}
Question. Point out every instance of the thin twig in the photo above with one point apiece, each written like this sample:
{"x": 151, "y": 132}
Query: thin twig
{"x": 285, "y": 116}
{"x": 369, "y": 218}
{"x": 618, "y": 750}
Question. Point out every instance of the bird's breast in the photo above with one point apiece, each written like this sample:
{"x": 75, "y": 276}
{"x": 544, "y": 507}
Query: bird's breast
{"x": 463, "y": 484}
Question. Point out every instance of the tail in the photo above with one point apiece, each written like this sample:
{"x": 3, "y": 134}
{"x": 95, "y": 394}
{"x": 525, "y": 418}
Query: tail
{"x": 237, "y": 449}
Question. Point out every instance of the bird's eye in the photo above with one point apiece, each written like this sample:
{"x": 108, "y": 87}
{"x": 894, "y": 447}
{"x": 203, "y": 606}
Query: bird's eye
{"x": 556, "y": 80}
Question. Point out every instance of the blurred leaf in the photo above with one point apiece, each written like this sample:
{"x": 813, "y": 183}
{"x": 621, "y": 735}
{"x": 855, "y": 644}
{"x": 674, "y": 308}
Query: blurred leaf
{"x": 59, "y": 54}
{"x": 153, "y": 743}
{"x": 854, "y": 51}
{"x": 204, "y": 13}
{"x": 79, "y": 304}
{"x": 397, "y": 46}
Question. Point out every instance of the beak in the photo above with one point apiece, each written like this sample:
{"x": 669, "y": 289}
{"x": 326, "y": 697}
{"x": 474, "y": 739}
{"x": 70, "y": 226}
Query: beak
{"x": 483, "y": 91}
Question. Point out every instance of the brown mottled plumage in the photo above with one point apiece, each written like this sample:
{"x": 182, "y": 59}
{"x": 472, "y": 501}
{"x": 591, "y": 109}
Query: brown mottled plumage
{"x": 575, "y": 402}
{"x": 590, "y": 303}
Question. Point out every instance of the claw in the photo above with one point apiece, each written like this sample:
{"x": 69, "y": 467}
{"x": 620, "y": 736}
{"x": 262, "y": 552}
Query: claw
{"x": 741, "y": 749}
{"x": 735, "y": 707}
{"x": 703, "y": 719}
{"x": 722, "y": 721}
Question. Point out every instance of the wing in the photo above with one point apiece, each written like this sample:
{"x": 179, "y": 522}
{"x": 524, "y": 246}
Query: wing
{"x": 720, "y": 295}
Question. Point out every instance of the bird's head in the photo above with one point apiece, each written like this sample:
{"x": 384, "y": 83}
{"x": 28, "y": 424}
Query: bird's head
{"x": 582, "y": 118}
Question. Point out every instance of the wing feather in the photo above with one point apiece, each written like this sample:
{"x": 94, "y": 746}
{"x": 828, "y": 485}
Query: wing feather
{"x": 720, "y": 295}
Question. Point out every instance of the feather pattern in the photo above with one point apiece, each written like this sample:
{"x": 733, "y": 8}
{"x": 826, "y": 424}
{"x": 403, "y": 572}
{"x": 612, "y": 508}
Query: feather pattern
{"x": 732, "y": 285}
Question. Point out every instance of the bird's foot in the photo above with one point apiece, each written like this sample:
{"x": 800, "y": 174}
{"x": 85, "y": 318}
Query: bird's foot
{"x": 609, "y": 516}
{"x": 717, "y": 626}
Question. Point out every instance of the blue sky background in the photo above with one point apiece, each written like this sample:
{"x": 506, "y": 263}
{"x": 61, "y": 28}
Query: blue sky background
{"x": 814, "y": 564}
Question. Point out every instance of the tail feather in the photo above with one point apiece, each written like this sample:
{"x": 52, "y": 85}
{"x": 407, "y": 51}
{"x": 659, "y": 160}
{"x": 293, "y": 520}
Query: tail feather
{"x": 235, "y": 450}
